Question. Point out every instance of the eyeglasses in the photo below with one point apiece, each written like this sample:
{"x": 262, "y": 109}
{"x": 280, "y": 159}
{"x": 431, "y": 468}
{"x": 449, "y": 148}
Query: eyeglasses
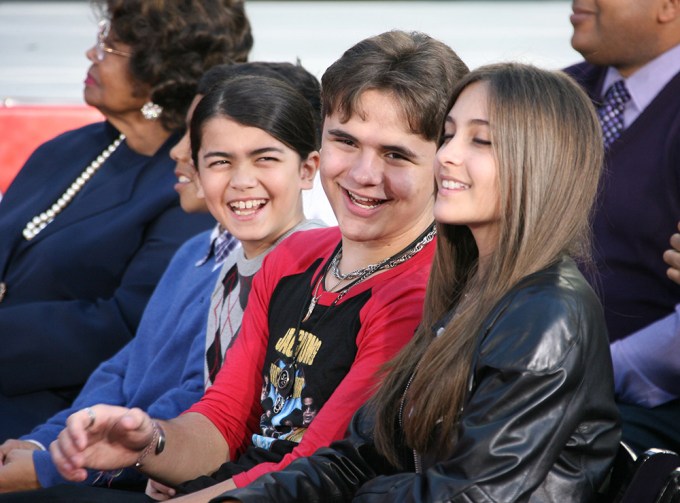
{"x": 101, "y": 49}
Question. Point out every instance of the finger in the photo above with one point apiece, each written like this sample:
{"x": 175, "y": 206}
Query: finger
{"x": 92, "y": 416}
{"x": 675, "y": 241}
{"x": 166, "y": 490}
{"x": 72, "y": 441}
{"x": 74, "y": 438}
{"x": 158, "y": 491}
{"x": 11, "y": 444}
{"x": 64, "y": 466}
{"x": 76, "y": 426}
{"x": 673, "y": 274}
{"x": 672, "y": 258}
{"x": 135, "y": 429}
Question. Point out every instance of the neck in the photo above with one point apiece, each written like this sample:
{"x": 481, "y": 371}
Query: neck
{"x": 358, "y": 254}
{"x": 652, "y": 52}
{"x": 254, "y": 249}
{"x": 142, "y": 136}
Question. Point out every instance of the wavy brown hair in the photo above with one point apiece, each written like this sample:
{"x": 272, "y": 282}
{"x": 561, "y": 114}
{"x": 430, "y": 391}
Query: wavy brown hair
{"x": 418, "y": 70}
{"x": 548, "y": 147}
{"x": 174, "y": 42}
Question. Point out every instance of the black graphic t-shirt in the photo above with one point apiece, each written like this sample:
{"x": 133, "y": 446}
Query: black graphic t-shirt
{"x": 303, "y": 367}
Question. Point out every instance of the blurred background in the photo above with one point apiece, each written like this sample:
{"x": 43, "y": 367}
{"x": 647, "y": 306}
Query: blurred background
{"x": 42, "y": 44}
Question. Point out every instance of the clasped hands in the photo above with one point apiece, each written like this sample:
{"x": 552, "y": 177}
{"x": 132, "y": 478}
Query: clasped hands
{"x": 102, "y": 437}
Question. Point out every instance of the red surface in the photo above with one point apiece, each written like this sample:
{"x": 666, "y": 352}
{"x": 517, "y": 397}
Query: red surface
{"x": 25, "y": 127}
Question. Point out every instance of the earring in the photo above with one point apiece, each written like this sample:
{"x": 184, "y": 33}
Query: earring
{"x": 151, "y": 111}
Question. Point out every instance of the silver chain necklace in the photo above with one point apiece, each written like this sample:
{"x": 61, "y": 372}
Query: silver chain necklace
{"x": 39, "y": 222}
{"x": 364, "y": 273}
{"x": 387, "y": 263}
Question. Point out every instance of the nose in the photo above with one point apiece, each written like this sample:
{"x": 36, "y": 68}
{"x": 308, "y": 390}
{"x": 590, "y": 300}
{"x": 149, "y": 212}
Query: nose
{"x": 91, "y": 54}
{"x": 181, "y": 152}
{"x": 367, "y": 170}
{"x": 449, "y": 153}
{"x": 243, "y": 176}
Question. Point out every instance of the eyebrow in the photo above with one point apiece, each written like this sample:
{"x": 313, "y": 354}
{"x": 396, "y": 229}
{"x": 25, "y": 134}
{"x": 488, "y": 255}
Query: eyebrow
{"x": 399, "y": 149}
{"x": 341, "y": 134}
{"x": 480, "y": 122}
{"x": 258, "y": 151}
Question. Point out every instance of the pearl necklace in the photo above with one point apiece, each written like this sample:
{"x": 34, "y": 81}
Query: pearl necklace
{"x": 39, "y": 222}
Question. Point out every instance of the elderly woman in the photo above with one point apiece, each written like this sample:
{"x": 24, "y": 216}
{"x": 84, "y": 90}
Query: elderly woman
{"x": 91, "y": 220}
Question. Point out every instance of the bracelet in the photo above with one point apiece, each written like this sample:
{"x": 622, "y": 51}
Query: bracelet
{"x": 157, "y": 441}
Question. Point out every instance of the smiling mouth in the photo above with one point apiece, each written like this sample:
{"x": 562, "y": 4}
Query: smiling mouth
{"x": 183, "y": 179}
{"x": 451, "y": 185}
{"x": 245, "y": 208}
{"x": 364, "y": 202}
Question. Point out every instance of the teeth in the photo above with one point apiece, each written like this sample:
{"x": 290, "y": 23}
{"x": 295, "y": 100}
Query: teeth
{"x": 450, "y": 184}
{"x": 365, "y": 202}
{"x": 183, "y": 179}
{"x": 251, "y": 204}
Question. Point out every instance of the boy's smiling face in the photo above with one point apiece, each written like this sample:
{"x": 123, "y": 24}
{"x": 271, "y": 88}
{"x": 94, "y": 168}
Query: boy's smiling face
{"x": 377, "y": 174}
{"x": 252, "y": 182}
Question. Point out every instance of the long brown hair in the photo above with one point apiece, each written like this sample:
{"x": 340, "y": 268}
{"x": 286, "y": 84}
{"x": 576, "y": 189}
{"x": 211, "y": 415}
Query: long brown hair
{"x": 548, "y": 148}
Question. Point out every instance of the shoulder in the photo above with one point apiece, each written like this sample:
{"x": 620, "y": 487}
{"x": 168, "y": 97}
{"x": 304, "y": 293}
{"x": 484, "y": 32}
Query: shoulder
{"x": 583, "y": 69}
{"x": 77, "y": 141}
{"x": 408, "y": 278}
{"x": 297, "y": 253}
{"x": 587, "y": 75}
{"x": 194, "y": 248}
{"x": 305, "y": 246}
{"x": 541, "y": 321}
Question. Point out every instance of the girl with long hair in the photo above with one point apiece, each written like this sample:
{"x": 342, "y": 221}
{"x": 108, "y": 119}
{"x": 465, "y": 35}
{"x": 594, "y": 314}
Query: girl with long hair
{"x": 505, "y": 392}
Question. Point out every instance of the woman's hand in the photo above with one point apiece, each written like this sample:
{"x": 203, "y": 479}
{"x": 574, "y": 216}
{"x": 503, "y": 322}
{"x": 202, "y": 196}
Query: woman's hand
{"x": 102, "y": 437}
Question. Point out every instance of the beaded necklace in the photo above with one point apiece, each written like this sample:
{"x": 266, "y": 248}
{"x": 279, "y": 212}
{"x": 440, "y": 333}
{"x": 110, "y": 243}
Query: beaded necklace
{"x": 39, "y": 222}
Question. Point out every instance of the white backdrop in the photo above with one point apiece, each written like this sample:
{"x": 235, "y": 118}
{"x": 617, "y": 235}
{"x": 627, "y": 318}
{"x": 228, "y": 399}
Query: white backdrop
{"x": 42, "y": 44}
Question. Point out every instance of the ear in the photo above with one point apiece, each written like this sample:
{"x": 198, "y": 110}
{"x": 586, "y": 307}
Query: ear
{"x": 308, "y": 169}
{"x": 669, "y": 11}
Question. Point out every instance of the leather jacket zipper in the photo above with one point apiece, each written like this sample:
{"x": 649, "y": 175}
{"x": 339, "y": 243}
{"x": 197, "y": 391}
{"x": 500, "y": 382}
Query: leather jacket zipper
{"x": 416, "y": 457}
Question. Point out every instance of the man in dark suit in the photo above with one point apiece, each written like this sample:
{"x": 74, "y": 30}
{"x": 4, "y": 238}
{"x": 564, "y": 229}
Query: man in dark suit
{"x": 632, "y": 73}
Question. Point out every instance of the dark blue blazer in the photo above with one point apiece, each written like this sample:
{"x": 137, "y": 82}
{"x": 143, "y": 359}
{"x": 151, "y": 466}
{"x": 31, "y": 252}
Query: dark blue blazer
{"x": 76, "y": 292}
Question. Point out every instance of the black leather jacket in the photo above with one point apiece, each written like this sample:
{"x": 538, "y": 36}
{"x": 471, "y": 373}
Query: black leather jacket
{"x": 540, "y": 423}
